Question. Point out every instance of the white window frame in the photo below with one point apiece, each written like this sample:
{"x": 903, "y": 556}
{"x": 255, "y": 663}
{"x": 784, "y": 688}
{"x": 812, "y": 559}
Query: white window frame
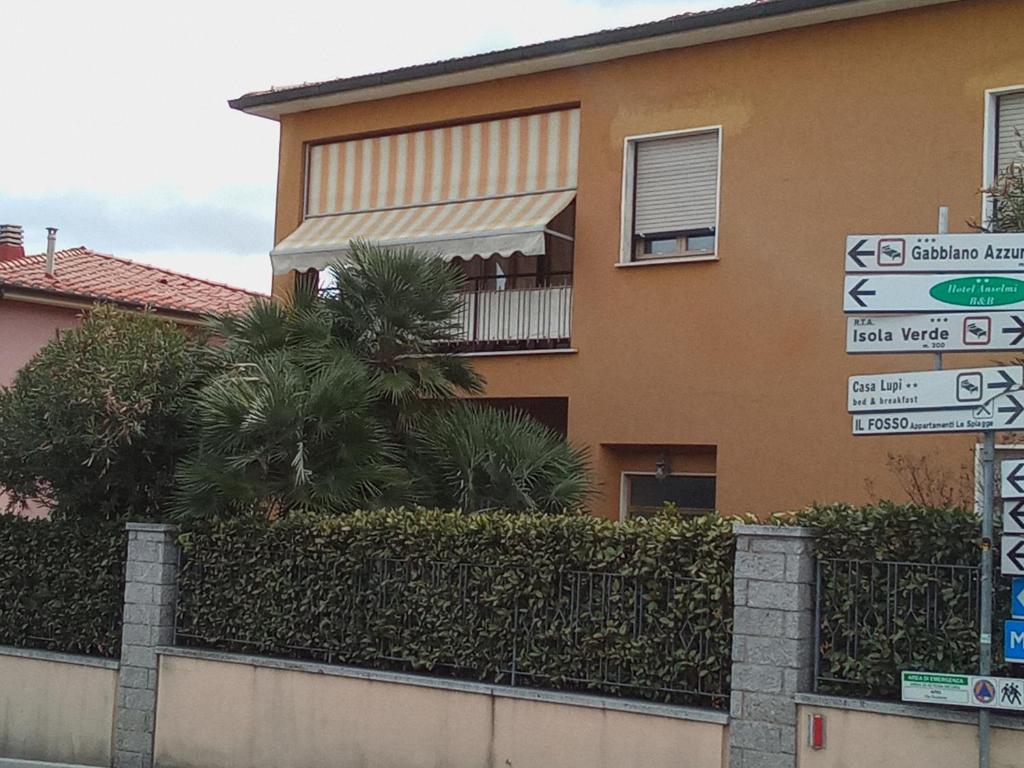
{"x": 626, "y": 244}
{"x": 624, "y": 486}
{"x": 988, "y": 165}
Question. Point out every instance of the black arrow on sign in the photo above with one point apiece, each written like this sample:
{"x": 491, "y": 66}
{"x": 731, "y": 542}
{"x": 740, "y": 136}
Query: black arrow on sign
{"x": 1016, "y": 555}
{"x": 1005, "y": 385}
{"x": 856, "y": 292}
{"x": 1016, "y": 479}
{"x": 1017, "y": 328}
{"x": 1016, "y": 513}
{"x": 857, "y": 253}
{"x": 1016, "y": 409}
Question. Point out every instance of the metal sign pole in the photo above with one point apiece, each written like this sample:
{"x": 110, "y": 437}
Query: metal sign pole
{"x": 943, "y": 229}
{"x": 988, "y": 450}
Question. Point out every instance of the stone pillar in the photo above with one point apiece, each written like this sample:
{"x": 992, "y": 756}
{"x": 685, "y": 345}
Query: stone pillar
{"x": 773, "y": 642}
{"x": 149, "y": 605}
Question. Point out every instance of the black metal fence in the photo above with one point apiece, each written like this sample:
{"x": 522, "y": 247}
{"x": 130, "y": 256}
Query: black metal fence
{"x": 656, "y": 639}
{"x": 876, "y": 618}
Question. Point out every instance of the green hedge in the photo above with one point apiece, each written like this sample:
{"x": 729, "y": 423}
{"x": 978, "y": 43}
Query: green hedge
{"x": 61, "y": 585}
{"x": 899, "y": 590}
{"x": 641, "y": 609}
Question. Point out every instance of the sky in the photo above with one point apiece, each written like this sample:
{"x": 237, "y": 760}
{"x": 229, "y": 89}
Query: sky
{"x": 114, "y": 124}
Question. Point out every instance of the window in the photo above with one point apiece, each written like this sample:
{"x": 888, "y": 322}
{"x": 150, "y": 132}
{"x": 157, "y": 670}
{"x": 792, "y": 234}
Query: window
{"x": 643, "y": 494}
{"x": 1009, "y": 129}
{"x": 671, "y": 196}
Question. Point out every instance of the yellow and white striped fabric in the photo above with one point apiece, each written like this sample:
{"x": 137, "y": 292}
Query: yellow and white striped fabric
{"x": 478, "y": 189}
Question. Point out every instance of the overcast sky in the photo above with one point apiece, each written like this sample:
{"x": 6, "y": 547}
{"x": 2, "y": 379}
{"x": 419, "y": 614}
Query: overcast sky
{"x": 114, "y": 125}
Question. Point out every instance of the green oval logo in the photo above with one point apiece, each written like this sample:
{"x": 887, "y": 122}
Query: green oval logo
{"x": 986, "y": 291}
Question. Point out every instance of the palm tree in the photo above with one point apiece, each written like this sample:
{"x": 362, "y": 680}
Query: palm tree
{"x": 338, "y": 400}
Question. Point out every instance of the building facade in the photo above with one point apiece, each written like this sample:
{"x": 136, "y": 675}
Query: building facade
{"x": 652, "y": 224}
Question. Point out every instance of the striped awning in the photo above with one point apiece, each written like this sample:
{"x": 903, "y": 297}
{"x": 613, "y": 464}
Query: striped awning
{"x": 494, "y": 227}
{"x": 484, "y": 188}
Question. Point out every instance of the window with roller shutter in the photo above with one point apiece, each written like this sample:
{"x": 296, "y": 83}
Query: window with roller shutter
{"x": 673, "y": 195}
{"x": 1009, "y": 129}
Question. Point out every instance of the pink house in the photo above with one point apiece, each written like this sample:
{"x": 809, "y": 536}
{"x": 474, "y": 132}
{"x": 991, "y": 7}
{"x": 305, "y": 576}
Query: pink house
{"x": 44, "y": 293}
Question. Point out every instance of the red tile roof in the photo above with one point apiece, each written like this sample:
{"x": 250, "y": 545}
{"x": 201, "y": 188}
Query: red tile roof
{"x": 84, "y": 274}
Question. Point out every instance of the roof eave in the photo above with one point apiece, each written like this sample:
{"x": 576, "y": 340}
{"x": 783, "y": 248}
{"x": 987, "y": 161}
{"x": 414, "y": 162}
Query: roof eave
{"x": 69, "y": 300}
{"x": 677, "y": 32}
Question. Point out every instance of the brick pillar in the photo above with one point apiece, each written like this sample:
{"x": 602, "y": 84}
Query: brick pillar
{"x": 773, "y": 642}
{"x": 149, "y": 604}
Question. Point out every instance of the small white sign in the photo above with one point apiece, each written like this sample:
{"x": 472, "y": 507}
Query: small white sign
{"x": 1003, "y": 413}
{"x": 935, "y": 332}
{"x": 1012, "y": 549}
{"x": 980, "y": 691}
{"x": 979, "y": 252}
{"x": 1013, "y": 516}
{"x": 1012, "y": 473}
{"x": 919, "y": 390}
{"x": 933, "y": 293}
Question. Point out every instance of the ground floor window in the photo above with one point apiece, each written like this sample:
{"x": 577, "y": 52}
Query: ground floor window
{"x": 647, "y": 493}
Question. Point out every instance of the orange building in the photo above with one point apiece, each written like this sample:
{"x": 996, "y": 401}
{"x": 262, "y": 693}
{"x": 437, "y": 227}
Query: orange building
{"x": 652, "y": 220}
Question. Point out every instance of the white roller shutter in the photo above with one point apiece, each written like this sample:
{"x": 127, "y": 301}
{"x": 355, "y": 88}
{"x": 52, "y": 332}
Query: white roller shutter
{"x": 676, "y": 184}
{"x": 1011, "y": 121}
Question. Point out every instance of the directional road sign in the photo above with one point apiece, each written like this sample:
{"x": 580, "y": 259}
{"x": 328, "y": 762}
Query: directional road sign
{"x": 1013, "y": 641}
{"x": 1013, "y": 516}
{"x": 932, "y": 293}
{"x": 952, "y": 388}
{"x": 1004, "y": 413}
{"x": 936, "y": 332}
{"x": 980, "y": 252}
{"x": 1017, "y": 599}
{"x": 1012, "y": 472}
{"x": 1013, "y": 556}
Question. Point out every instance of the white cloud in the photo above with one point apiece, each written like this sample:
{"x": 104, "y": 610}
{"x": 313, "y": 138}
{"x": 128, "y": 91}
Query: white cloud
{"x": 116, "y": 128}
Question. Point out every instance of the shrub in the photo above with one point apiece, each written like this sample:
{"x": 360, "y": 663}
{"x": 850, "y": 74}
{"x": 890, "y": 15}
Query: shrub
{"x": 62, "y": 585}
{"x": 476, "y": 458}
{"x": 94, "y": 424}
{"x": 899, "y": 591}
{"x": 568, "y": 601}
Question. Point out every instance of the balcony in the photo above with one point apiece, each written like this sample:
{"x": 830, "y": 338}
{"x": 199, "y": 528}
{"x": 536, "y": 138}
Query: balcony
{"x": 515, "y": 319}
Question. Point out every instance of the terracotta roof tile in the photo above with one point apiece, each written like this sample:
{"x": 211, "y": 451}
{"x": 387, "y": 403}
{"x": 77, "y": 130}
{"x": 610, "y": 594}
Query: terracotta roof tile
{"x": 89, "y": 275}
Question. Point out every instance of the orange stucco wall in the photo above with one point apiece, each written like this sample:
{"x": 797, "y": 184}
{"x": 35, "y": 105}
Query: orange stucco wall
{"x": 865, "y": 125}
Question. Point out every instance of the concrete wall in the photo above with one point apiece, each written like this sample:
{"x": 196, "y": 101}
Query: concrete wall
{"x": 862, "y": 733}
{"x": 218, "y": 711}
{"x": 55, "y": 707}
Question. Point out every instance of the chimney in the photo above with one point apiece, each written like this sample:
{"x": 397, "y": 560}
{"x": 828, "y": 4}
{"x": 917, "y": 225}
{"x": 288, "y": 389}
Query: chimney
{"x": 51, "y": 248}
{"x": 12, "y": 242}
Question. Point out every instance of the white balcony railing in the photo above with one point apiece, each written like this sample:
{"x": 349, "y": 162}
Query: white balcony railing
{"x": 516, "y": 318}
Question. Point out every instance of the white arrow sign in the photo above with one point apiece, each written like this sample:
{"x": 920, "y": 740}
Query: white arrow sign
{"x": 938, "y": 332}
{"x": 932, "y": 293}
{"x": 980, "y": 252}
{"x": 1012, "y": 548}
{"x": 1004, "y": 413}
{"x": 1012, "y": 472}
{"x": 1013, "y": 516}
{"x": 953, "y": 388}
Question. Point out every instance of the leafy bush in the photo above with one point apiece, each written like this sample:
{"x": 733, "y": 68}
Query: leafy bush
{"x": 567, "y": 601}
{"x": 900, "y": 588}
{"x": 477, "y": 458}
{"x": 94, "y": 424}
{"x": 62, "y": 585}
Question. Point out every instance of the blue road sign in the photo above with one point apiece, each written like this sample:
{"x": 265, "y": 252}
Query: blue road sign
{"x": 1017, "y": 599}
{"x": 1013, "y": 641}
